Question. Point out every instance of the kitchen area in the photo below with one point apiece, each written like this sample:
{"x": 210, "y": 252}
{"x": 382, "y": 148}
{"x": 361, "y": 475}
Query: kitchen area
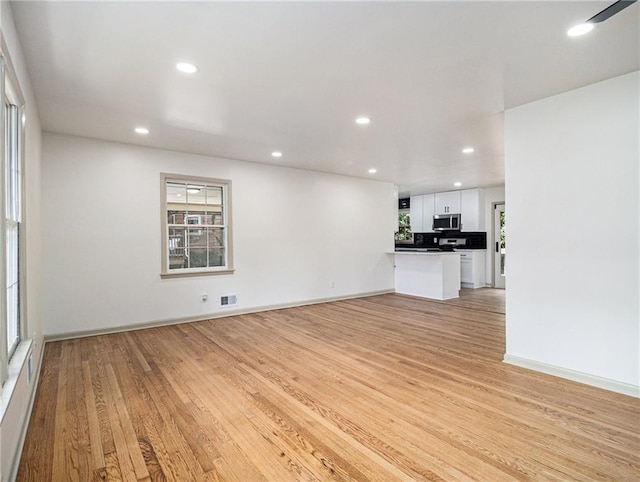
{"x": 442, "y": 240}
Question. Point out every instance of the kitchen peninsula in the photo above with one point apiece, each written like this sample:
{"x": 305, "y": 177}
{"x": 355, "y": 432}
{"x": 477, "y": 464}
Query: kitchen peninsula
{"x": 428, "y": 274}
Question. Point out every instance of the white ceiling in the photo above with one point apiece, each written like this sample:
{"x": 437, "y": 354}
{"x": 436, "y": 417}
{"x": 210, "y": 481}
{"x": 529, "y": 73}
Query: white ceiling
{"x": 433, "y": 76}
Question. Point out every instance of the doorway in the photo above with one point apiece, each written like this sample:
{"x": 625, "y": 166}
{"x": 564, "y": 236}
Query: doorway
{"x": 500, "y": 251}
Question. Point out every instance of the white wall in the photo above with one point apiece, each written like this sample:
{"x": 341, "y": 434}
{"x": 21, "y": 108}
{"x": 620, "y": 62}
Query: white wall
{"x": 573, "y": 221}
{"x": 295, "y": 232}
{"x": 17, "y": 394}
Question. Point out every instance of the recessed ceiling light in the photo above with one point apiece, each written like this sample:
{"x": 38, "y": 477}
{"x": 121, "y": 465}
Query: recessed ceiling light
{"x": 186, "y": 67}
{"x": 363, "y": 121}
{"x": 457, "y": 184}
{"x": 373, "y": 170}
{"x": 276, "y": 154}
{"x": 141, "y": 130}
{"x": 468, "y": 150}
{"x": 580, "y": 29}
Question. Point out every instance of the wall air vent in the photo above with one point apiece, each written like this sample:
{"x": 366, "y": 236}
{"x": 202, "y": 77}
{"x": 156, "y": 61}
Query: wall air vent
{"x": 228, "y": 300}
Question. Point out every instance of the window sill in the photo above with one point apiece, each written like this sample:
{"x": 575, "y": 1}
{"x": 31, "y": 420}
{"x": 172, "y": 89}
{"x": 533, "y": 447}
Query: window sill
{"x": 196, "y": 273}
{"x": 17, "y": 363}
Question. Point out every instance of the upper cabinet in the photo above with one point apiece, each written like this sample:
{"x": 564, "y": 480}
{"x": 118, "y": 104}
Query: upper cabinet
{"x": 428, "y": 210}
{"x": 472, "y": 209}
{"x": 421, "y": 213}
{"x": 416, "y": 215}
{"x": 447, "y": 202}
{"x": 469, "y": 203}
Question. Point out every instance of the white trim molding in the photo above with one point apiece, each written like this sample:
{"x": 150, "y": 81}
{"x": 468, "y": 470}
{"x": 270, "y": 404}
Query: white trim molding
{"x": 225, "y": 313}
{"x": 580, "y": 377}
{"x": 19, "y": 364}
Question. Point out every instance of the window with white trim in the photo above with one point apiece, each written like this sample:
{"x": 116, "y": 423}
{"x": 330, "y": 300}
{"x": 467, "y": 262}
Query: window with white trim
{"x": 11, "y": 237}
{"x": 196, "y": 226}
{"x": 13, "y": 208}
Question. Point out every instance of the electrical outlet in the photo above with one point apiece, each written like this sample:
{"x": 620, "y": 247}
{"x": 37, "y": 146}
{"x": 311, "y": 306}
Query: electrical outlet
{"x": 205, "y": 297}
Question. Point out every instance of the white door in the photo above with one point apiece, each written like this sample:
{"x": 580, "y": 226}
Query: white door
{"x": 500, "y": 247}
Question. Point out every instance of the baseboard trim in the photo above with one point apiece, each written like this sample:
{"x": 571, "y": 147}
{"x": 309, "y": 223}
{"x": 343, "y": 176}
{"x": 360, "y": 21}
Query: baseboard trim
{"x": 25, "y": 425}
{"x": 210, "y": 316}
{"x": 580, "y": 377}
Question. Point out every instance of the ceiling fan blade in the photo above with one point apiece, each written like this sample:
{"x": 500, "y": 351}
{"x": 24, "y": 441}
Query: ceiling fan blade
{"x": 610, "y": 11}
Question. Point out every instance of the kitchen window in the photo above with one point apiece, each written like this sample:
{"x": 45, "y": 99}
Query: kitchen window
{"x": 196, "y": 226}
{"x": 404, "y": 234}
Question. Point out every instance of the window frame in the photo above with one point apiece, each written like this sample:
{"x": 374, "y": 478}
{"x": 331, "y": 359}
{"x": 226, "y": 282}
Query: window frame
{"x": 11, "y": 95}
{"x": 225, "y": 185}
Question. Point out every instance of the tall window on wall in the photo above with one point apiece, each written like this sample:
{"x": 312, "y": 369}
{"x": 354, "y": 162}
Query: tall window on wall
{"x": 13, "y": 209}
{"x": 11, "y": 241}
{"x": 196, "y": 232}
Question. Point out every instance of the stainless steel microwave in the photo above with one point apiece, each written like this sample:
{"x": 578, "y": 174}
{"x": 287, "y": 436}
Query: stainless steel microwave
{"x": 447, "y": 222}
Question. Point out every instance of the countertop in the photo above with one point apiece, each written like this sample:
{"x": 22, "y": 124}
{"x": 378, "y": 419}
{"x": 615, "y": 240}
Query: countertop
{"x": 426, "y": 253}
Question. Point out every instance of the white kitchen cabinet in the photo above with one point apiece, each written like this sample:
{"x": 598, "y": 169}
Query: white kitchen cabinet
{"x": 421, "y": 212}
{"x": 428, "y": 275}
{"x": 472, "y": 267}
{"x": 416, "y": 214}
{"x": 469, "y": 203}
{"x": 447, "y": 202}
{"x": 472, "y": 209}
{"x": 428, "y": 210}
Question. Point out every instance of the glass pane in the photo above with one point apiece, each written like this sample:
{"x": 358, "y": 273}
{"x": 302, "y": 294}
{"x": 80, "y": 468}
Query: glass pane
{"x": 215, "y": 238}
{"x": 176, "y": 202}
{"x": 214, "y": 205}
{"x": 216, "y": 257}
{"x": 197, "y": 257}
{"x": 12, "y": 253}
{"x": 217, "y": 218}
{"x": 193, "y": 219}
{"x": 196, "y": 195}
{"x": 176, "y": 245}
{"x": 12, "y": 318}
{"x": 404, "y": 227}
{"x": 12, "y": 299}
{"x": 176, "y": 192}
{"x": 197, "y": 238}
{"x": 12, "y": 175}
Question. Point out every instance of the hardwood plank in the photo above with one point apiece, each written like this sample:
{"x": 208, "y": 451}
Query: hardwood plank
{"x": 383, "y": 388}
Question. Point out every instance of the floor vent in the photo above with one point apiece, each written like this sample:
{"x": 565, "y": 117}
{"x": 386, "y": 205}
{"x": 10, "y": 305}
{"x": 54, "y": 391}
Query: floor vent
{"x": 228, "y": 300}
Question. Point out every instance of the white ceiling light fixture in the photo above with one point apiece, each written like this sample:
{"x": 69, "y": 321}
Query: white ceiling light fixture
{"x": 468, "y": 150}
{"x": 457, "y": 184}
{"x": 601, "y": 16}
{"x": 580, "y": 29}
{"x": 187, "y": 68}
{"x": 363, "y": 120}
{"x": 276, "y": 154}
{"x": 373, "y": 170}
{"x": 143, "y": 131}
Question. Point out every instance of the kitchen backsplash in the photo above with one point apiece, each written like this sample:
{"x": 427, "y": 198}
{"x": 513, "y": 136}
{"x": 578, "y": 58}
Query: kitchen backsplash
{"x": 472, "y": 240}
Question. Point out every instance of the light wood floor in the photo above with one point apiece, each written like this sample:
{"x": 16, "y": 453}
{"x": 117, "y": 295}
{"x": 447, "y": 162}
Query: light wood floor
{"x": 381, "y": 388}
